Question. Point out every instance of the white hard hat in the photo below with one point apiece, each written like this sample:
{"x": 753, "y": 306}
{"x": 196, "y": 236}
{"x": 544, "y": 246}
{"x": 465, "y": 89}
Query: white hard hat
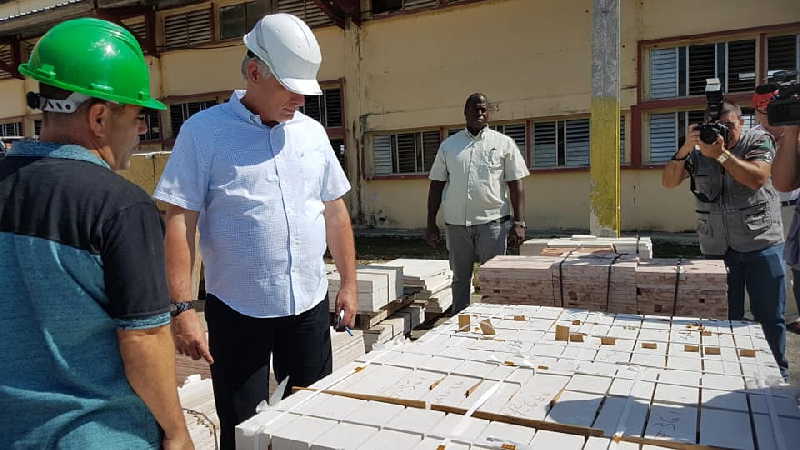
{"x": 289, "y": 48}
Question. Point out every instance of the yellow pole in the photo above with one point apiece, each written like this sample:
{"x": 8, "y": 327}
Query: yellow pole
{"x": 604, "y": 145}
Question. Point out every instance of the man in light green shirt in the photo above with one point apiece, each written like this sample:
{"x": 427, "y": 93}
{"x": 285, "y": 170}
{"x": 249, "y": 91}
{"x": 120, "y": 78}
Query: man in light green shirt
{"x": 477, "y": 177}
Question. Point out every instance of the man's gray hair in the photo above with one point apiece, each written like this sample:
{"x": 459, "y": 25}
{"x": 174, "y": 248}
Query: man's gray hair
{"x": 263, "y": 69}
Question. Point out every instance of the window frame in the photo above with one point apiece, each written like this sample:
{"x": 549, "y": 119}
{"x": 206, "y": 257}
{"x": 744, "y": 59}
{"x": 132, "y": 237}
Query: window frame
{"x": 419, "y": 150}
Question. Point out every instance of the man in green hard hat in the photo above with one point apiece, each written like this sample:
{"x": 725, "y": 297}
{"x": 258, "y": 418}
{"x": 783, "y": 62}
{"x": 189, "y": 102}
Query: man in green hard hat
{"x": 87, "y": 354}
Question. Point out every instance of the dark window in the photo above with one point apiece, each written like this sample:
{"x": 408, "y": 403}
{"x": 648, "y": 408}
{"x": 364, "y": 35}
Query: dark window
{"x": 7, "y": 57}
{"x": 382, "y": 6}
{"x": 236, "y": 20}
{"x": 11, "y": 129}
{"x": 326, "y": 108}
{"x": 153, "y": 121}
{"x": 783, "y": 53}
{"x": 188, "y": 29}
{"x": 180, "y": 112}
{"x": 561, "y": 143}
{"x": 37, "y": 128}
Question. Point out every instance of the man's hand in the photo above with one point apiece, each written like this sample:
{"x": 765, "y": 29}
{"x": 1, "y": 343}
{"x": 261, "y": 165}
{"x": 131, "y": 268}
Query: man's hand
{"x": 190, "y": 340}
{"x": 433, "y": 236}
{"x": 347, "y": 300}
{"x": 714, "y": 150}
{"x": 517, "y": 236}
{"x": 179, "y": 443}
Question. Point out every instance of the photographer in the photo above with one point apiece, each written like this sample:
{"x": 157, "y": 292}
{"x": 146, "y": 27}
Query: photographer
{"x": 739, "y": 218}
{"x": 786, "y": 177}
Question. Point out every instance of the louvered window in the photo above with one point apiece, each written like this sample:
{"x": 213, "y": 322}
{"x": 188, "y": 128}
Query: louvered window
{"x": 382, "y": 6}
{"x": 188, "y": 29}
{"x": 326, "y": 108}
{"x": 138, "y": 27}
{"x": 783, "y": 53}
{"x": 7, "y": 57}
{"x": 664, "y": 73}
{"x": 749, "y": 118}
{"x": 306, "y": 10}
{"x": 405, "y": 153}
{"x": 452, "y": 131}
{"x": 561, "y": 143}
{"x": 515, "y": 131}
{"x": 37, "y": 128}
{"x": 682, "y": 71}
{"x": 11, "y": 129}
{"x": 236, "y": 20}
{"x": 153, "y": 121}
{"x": 668, "y": 131}
{"x": 179, "y": 113}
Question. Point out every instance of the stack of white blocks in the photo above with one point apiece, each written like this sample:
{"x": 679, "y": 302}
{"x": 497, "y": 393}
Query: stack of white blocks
{"x": 642, "y": 247}
{"x": 682, "y": 380}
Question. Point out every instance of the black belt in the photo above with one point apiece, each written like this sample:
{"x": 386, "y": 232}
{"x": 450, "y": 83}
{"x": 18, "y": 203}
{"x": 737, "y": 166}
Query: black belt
{"x": 789, "y": 202}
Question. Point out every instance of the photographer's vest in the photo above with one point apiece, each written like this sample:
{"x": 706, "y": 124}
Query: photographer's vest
{"x": 730, "y": 214}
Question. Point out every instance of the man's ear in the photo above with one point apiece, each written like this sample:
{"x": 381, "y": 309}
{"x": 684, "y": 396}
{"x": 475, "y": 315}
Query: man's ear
{"x": 99, "y": 119}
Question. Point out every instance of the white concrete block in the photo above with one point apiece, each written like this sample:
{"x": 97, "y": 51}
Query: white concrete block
{"x": 728, "y": 429}
{"x": 452, "y": 390}
{"x": 723, "y": 382}
{"x": 248, "y": 433}
{"x": 459, "y": 428}
{"x": 391, "y": 440}
{"x": 622, "y": 387}
{"x": 414, "y": 386}
{"x": 611, "y": 414}
{"x": 765, "y": 432}
{"x": 681, "y": 363}
{"x": 722, "y": 367}
{"x": 589, "y": 383}
{"x": 343, "y": 437}
{"x": 575, "y": 408}
{"x": 545, "y": 440}
{"x": 297, "y": 434}
{"x": 671, "y": 393}
{"x": 785, "y": 406}
{"x": 499, "y": 433}
{"x": 417, "y": 420}
{"x": 640, "y": 359}
{"x": 497, "y": 401}
{"x": 327, "y": 406}
{"x": 375, "y": 414}
{"x": 712, "y": 398}
{"x": 672, "y": 422}
{"x": 680, "y": 377}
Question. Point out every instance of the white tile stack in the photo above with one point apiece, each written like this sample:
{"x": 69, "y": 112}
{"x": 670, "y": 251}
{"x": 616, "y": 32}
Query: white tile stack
{"x": 197, "y": 399}
{"x": 660, "y": 382}
{"x": 587, "y": 244}
{"x": 377, "y": 287}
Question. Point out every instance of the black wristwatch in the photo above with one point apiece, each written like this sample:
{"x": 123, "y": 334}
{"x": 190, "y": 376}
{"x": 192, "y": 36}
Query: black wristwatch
{"x": 675, "y": 157}
{"x": 179, "y": 307}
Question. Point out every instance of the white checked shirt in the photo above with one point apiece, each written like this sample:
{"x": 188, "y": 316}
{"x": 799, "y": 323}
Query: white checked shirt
{"x": 260, "y": 193}
{"x": 476, "y": 169}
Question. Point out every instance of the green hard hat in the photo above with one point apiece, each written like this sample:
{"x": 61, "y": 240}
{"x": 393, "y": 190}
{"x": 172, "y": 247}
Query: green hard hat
{"x": 93, "y": 57}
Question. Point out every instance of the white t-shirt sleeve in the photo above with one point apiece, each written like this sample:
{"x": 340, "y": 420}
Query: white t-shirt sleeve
{"x": 184, "y": 182}
{"x": 439, "y": 167}
{"x": 514, "y": 167}
{"x": 334, "y": 181}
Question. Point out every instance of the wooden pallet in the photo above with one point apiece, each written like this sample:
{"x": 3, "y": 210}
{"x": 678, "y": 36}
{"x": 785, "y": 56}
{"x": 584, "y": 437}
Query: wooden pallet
{"x": 365, "y": 321}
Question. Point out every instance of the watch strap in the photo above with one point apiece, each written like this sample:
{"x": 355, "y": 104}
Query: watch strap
{"x": 179, "y": 307}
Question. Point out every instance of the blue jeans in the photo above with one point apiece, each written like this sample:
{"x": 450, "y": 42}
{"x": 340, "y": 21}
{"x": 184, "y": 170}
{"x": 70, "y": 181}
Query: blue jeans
{"x": 762, "y": 274}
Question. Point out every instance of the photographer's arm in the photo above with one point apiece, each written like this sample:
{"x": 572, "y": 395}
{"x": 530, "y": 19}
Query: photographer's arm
{"x": 675, "y": 171}
{"x": 753, "y": 174}
{"x": 785, "y": 170}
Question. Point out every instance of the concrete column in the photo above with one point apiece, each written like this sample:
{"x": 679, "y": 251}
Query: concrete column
{"x": 604, "y": 153}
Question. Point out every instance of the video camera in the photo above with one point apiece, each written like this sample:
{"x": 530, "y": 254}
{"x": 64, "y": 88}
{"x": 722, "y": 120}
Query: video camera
{"x": 711, "y": 128}
{"x": 782, "y": 96}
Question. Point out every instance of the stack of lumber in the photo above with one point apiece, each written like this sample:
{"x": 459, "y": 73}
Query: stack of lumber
{"x": 588, "y": 244}
{"x": 517, "y": 383}
{"x": 197, "y": 400}
{"x": 614, "y": 283}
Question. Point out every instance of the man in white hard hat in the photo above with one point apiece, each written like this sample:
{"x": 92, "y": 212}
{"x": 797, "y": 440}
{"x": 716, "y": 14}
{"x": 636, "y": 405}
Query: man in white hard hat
{"x": 265, "y": 187}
